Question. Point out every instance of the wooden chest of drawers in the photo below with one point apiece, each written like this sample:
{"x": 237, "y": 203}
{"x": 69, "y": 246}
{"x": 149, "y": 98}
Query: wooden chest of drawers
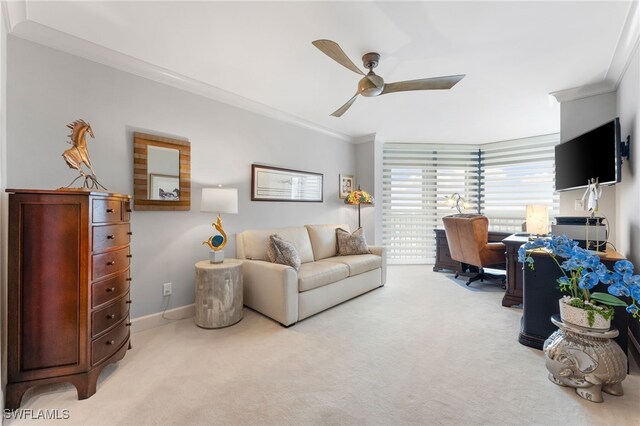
{"x": 68, "y": 288}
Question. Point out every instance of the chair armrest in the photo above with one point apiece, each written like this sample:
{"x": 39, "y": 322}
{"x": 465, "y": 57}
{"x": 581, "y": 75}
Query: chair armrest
{"x": 382, "y": 252}
{"x": 271, "y": 289}
{"x": 493, "y": 254}
{"x": 496, "y": 246}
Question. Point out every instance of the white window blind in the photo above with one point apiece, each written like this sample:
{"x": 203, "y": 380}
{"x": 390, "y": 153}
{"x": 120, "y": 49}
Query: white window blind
{"x": 498, "y": 179}
{"x": 416, "y": 178}
{"x": 516, "y": 173}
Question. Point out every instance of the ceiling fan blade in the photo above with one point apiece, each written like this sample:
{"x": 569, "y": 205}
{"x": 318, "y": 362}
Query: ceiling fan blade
{"x": 435, "y": 83}
{"x": 335, "y": 52}
{"x": 345, "y": 107}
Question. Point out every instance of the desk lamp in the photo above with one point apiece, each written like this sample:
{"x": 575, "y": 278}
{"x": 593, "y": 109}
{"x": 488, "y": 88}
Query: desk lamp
{"x": 537, "y": 219}
{"x": 456, "y": 200}
{"x": 218, "y": 200}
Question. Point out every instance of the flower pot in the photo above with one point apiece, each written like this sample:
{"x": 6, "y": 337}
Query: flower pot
{"x": 580, "y": 317}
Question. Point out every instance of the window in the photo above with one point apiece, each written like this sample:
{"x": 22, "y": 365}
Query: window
{"x": 498, "y": 180}
{"x": 415, "y": 181}
{"x": 514, "y": 174}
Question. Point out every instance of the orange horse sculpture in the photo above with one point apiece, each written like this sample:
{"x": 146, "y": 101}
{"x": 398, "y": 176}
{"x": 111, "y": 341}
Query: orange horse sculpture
{"x": 78, "y": 154}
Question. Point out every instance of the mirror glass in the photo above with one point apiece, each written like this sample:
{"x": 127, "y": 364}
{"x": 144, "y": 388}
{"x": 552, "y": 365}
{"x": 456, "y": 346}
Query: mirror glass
{"x": 163, "y": 173}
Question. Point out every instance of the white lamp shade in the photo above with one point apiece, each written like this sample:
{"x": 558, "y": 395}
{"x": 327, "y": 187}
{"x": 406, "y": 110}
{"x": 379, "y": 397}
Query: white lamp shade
{"x": 537, "y": 219}
{"x": 219, "y": 200}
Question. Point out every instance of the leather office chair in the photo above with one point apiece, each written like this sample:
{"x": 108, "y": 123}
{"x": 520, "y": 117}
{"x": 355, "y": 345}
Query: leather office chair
{"x": 468, "y": 239}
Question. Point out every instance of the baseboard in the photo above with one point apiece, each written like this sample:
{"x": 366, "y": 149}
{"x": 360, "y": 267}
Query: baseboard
{"x": 162, "y": 318}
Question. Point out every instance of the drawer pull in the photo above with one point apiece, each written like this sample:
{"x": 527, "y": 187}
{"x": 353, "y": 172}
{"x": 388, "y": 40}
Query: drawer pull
{"x": 129, "y": 210}
{"x": 128, "y": 279}
{"x": 128, "y": 324}
{"x": 128, "y": 301}
{"x": 109, "y": 210}
{"x": 129, "y": 233}
{"x": 111, "y": 263}
{"x": 111, "y": 316}
{"x": 110, "y": 237}
{"x": 110, "y": 342}
{"x": 111, "y": 289}
{"x": 129, "y": 255}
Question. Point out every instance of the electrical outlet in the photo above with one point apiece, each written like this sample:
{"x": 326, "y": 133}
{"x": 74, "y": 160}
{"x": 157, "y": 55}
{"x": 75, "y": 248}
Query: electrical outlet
{"x": 579, "y": 205}
{"x": 166, "y": 289}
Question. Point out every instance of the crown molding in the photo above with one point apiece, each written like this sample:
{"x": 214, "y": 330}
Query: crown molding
{"x": 575, "y": 93}
{"x": 625, "y": 49}
{"x": 364, "y": 139}
{"x": 627, "y": 45}
{"x": 15, "y": 12}
{"x": 32, "y": 31}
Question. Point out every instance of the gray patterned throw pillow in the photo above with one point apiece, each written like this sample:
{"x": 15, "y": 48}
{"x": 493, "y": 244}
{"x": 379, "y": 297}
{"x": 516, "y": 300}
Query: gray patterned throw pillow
{"x": 283, "y": 252}
{"x": 349, "y": 244}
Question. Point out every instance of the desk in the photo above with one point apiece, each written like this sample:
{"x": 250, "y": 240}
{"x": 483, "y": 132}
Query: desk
{"x": 443, "y": 256}
{"x": 540, "y": 301}
{"x": 513, "y": 295}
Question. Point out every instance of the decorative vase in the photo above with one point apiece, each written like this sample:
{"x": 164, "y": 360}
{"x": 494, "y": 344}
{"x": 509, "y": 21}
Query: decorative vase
{"x": 587, "y": 360}
{"x": 580, "y": 317}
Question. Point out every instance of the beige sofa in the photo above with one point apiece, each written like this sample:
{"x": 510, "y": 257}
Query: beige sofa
{"x": 323, "y": 280}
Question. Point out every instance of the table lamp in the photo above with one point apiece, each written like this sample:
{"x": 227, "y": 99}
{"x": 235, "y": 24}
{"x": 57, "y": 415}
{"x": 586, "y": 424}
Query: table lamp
{"x": 456, "y": 200}
{"x": 218, "y": 200}
{"x": 537, "y": 219}
{"x": 358, "y": 197}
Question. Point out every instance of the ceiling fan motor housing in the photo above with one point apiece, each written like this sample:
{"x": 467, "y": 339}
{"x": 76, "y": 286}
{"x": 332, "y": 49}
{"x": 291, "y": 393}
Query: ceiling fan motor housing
{"x": 371, "y": 85}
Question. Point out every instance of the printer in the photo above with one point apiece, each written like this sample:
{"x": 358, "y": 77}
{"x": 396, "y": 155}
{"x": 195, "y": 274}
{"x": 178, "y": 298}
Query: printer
{"x": 589, "y": 232}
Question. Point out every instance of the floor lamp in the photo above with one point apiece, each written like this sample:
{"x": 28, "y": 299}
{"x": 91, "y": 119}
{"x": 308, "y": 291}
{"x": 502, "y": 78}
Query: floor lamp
{"x": 358, "y": 197}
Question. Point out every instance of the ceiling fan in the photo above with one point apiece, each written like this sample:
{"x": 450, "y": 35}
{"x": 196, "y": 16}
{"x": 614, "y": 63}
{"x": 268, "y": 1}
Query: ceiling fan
{"x": 372, "y": 84}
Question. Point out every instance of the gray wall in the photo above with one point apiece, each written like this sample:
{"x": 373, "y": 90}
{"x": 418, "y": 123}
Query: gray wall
{"x": 577, "y": 117}
{"x": 628, "y": 191}
{"x": 365, "y": 179}
{"x": 48, "y": 89}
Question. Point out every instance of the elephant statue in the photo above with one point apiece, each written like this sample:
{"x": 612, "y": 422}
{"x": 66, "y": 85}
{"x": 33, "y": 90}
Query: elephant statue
{"x": 586, "y": 362}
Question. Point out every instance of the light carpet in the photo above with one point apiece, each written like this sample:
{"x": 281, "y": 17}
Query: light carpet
{"x": 424, "y": 349}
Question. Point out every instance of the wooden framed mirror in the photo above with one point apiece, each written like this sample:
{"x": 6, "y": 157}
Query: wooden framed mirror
{"x": 161, "y": 173}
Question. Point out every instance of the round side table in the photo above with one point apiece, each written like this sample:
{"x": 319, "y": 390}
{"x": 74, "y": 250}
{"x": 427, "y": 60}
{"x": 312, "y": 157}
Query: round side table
{"x": 218, "y": 293}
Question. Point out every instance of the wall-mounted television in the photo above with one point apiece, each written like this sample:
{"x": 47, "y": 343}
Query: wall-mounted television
{"x": 592, "y": 155}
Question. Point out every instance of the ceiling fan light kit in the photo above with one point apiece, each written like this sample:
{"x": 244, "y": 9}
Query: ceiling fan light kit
{"x": 371, "y": 84}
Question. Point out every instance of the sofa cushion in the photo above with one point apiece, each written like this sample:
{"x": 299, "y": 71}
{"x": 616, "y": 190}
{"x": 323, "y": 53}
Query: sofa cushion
{"x": 283, "y": 252}
{"x": 317, "y": 274}
{"x": 349, "y": 244}
{"x": 256, "y": 242}
{"x": 323, "y": 240}
{"x": 358, "y": 263}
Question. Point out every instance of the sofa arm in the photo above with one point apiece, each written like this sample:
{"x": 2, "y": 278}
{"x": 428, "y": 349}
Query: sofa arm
{"x": 271, "y": 289}
{"x": 382, "y": 252}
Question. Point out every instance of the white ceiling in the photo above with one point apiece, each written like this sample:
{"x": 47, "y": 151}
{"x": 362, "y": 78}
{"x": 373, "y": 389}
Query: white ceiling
{"x": 513, "y": 54}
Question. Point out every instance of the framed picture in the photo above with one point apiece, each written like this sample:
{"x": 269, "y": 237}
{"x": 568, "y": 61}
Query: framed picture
{"x": 277, "y": 184}
{"x": 164, "y": 187}
{"x": 347, "y": 183}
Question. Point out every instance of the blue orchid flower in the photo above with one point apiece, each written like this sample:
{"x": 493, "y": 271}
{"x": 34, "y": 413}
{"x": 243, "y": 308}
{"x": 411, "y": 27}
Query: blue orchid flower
{"x": 618, "y": 290}
{"x": 634, "y": 290}
{"x": 623, "y": 267}
{"x": 588, "y": 280}
{"x": 632, "y": 309}
{"x": 602, "y": 271}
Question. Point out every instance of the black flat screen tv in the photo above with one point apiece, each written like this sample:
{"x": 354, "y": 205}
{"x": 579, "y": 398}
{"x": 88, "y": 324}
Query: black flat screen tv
{"x": 592, "y": 155}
